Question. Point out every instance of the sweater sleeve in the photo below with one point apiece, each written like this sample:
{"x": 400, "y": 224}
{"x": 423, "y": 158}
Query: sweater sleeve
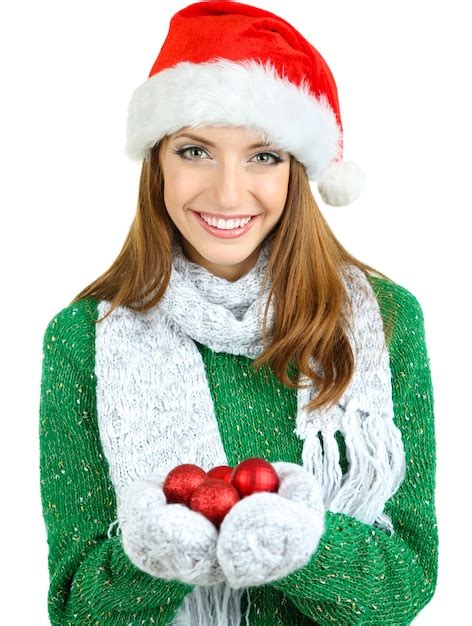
{"x": 359, "y": 573}
{"x": 92, "y": 581}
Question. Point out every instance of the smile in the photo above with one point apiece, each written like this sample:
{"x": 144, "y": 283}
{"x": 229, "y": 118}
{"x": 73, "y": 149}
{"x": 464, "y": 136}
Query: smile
{"x": 226, "y": 229}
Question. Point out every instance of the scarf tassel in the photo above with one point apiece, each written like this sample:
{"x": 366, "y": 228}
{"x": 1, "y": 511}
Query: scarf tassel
{"x": 213, "y": 605}
{"x": 375, "y": 468}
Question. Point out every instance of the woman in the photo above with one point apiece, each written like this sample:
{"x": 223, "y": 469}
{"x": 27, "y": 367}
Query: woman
{"x": 210, "y": 341}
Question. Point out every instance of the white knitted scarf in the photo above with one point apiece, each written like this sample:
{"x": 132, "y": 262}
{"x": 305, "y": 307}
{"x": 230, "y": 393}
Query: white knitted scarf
{"x": 155, "y": 410}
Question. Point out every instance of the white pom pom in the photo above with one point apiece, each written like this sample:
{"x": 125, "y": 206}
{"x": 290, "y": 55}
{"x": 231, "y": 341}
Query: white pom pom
{"x": 341, "y": 183}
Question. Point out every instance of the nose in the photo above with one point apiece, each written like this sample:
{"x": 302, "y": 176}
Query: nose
{"x": 229, "y": 183}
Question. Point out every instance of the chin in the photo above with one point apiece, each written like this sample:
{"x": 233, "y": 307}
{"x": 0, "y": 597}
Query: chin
{"x": 228, "y": 257}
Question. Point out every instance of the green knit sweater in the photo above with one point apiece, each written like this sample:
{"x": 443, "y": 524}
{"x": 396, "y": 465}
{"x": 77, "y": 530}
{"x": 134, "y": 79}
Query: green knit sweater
{"x": 358, "y": 575}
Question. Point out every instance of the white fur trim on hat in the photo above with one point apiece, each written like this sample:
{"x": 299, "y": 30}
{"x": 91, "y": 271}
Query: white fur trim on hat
{"x": 227, "y": 93}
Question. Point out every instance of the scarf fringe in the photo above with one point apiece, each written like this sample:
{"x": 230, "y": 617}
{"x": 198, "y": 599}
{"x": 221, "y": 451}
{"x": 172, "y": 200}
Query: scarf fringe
{"x": 215, "y": 605}
{"x": 374, "y": 474}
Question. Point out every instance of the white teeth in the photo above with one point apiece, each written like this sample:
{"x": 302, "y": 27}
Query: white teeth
{"x": 226, "y": 224}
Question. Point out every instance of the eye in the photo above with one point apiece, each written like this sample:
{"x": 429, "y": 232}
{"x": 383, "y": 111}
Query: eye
{"x": 182, "y": 152}
{"x": 272, "y": 155}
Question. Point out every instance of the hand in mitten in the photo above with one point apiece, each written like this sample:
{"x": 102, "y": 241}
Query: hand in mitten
{"x": 167, "y": 540}
{"x": 267, "y": 535}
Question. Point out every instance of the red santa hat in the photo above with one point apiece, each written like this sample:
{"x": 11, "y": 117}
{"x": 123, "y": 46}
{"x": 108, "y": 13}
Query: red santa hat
{"x": 232, "y": 64}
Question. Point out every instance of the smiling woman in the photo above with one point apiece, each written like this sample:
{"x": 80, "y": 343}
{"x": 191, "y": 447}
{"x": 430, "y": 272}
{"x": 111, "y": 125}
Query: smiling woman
{"x": 210, "y": 187}
{"x": 209, "y": 341}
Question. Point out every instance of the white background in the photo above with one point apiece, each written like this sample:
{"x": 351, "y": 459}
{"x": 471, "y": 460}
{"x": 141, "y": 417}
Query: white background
{"x": 68, "y": 196}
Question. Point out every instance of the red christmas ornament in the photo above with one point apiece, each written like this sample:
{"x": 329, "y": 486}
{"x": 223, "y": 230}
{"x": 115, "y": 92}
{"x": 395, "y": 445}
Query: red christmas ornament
{"x": 254, "y": 475}
{"x": 213, "y": 499}
{"x": 182, "y": 481}
{"x": 221, "y": 471}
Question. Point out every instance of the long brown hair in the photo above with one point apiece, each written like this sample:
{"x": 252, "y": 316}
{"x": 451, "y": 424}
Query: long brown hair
{"x": 304, "y": 266}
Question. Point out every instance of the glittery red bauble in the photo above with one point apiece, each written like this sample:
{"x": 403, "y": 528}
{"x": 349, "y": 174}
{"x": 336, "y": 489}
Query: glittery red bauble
{"x": 221, "y": 471}
{"x": 182, "y": 481}
{"x": 254, "y": 475}
{"x": 213, "y": 499}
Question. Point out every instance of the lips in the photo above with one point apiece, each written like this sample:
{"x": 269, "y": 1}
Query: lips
{"x": 226, "y": 233}
{"x": 224, "y": 217}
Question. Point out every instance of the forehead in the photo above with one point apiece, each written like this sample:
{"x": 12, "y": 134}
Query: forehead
{"x": 243, "y": 136}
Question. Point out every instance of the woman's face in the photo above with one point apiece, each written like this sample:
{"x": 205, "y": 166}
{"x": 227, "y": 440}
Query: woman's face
{"x": 224, "y": 171}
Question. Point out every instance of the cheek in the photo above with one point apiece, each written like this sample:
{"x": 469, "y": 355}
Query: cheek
{"x": 276, "y": 195}
{"x": 181, "y": 190}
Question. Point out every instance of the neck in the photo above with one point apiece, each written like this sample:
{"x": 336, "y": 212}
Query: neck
{"x": 231, "y": 273}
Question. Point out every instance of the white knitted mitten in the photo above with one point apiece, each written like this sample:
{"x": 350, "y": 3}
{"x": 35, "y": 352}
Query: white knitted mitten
{"x": 167, "y": 540}
{"x": 267, "y": 535}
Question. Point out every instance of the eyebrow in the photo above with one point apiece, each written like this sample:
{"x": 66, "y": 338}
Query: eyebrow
{"x": 212, "y": 145}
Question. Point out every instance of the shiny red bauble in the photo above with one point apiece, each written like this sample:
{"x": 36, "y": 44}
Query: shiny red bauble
{"x": 254, "y": 475}
{"x": 214, "y": 498}
{"x": 182, "y": 481}
{"x": 214, "y": 493}
{"x": 221, "y": 471}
